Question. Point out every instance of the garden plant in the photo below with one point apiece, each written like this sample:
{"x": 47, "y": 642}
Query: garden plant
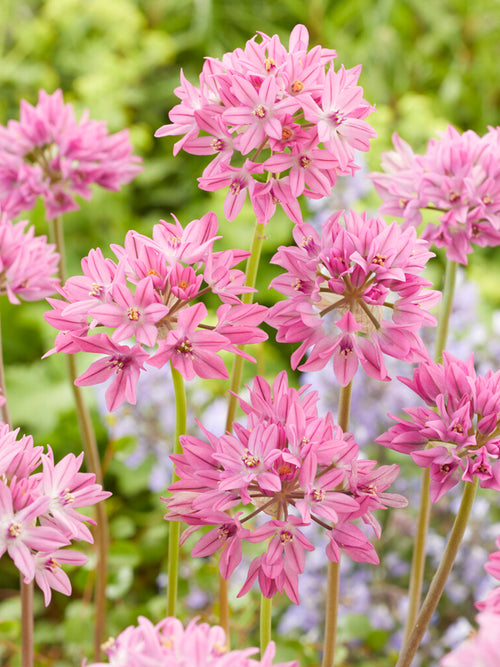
{"x": 271, "y": 495}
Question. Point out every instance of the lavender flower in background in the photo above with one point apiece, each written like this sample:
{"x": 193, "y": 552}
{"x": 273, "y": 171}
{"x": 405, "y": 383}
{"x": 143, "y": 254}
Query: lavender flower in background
{"x": 151, "y": 422}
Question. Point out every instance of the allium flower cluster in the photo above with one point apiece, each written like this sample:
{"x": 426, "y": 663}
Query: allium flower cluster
{"x": 49, "y": 153}
{"x": 458, "y": 177}
{"x": 290, "y": 467}
{"x": 38, "y": 510}
{"x": 28, "y": 263}
{"x": 152, "y": 294}
{"x": 457, "y": 434}
{"x": 354, "y": 294}
{"x": 169, "y": 644}
{"x": 279, "y": 123}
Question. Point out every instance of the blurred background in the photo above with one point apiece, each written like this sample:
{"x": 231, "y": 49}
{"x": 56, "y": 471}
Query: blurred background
{"x": 425, "y": 65}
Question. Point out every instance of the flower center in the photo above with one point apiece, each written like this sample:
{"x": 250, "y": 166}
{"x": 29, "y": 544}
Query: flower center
{"x": 52, "y": 564}
{"x": 259, "y": 112}
{"x": 97, "y": 290}
{"x": 318, "y": 495}
{"x": 269, "y": 64}
{"x": 217, "y": 144}
{"x": 305, "y": 161}
{"x": 379, "y": 259}
{"x": 297, "y": 86}
{"x": 116, "y": 363}
{"x": 67, "y": 497}
{"x": 14, "y": 530}
{"x": 133, "y": 314}
{"x": 286, "y": 537}
{"x": 235, "y": 188}
{"x": 174, "y": 241}
{"x": 185, "y": 348}
{"x": 250, "y": 460}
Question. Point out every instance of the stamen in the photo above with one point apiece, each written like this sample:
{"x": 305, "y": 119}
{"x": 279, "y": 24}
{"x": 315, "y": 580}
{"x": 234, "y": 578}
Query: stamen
{"x": 133, "y": 314}
{"x": 318, "y": 495}
{"x": 97, "y": 290}
{"x": 269, "y": 64}
{"x": 217, "y": 144}
{"x": 379, "y": 259}
{"x": 286, "y": 537}
{"x": 259, "y": 111}
{"x": 235, "y": 188}
{"x": 185, "y": 348}
{"x": 250, "y": 460}
{"x": 14, "y": 530}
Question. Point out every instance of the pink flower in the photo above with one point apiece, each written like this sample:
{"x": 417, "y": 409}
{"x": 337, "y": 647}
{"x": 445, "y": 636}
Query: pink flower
{"x": 455, "y": 437}
{"x": 292, "y": 468}
{"x": 68, "y": 489}
{"x": 295, "y": 120}
{"x": 122, "y": 361}
{"x": 133, "y": 314}
{"x": 457, "y": 176}
{"x": 18, "y": 535}
{"x": 49, "y": 574}
{"x": 37, "y": 510}
{"x": 28, "y": 264}
{"x": 191, "y": 351}
{"x": 152, "y": 295}
{"x": 482, "y": 649}
{"x": 49, "y": 153}
{"x": 169, "y": 643}
{"x": 353, "y": 295}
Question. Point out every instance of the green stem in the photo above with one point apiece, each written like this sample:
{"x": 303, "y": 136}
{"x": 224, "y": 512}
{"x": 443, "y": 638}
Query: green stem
{"x": 266, "y": 607}
{"x": 445, "y": 309}
{"x": 418, "y": 561}
{"x": 251, "y": 274}
{"x": 439, "y": 580}
{"x": 333, "y": 584}
{"x": 5, "y": 408}
{"x": 93, "y": 463}
{"x": 252, "y": 268}
{"x": 175, "y": 526}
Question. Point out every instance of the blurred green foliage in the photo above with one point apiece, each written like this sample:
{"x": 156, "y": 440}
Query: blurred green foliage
{"x": 424, "y": 65}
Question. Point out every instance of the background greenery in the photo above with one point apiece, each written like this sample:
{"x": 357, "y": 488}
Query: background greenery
{"x": 424, "y": 65}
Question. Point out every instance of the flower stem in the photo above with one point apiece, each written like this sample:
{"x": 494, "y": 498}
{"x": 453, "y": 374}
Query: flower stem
{"x": 5, "y": 407}
{"x": 27, "y": 649}
{"x": 266, "y": 606}
{"x": 439, "y": 580}
{"x": 333, "y": 584}
{"x": 445, "y": 309}
{"x": 175, "y": 526}
{"x": 252, "y": 268}
{"x": 93, "y": 463}
{"x": 418, "y": 561}
{"x": 251, "y": 274}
